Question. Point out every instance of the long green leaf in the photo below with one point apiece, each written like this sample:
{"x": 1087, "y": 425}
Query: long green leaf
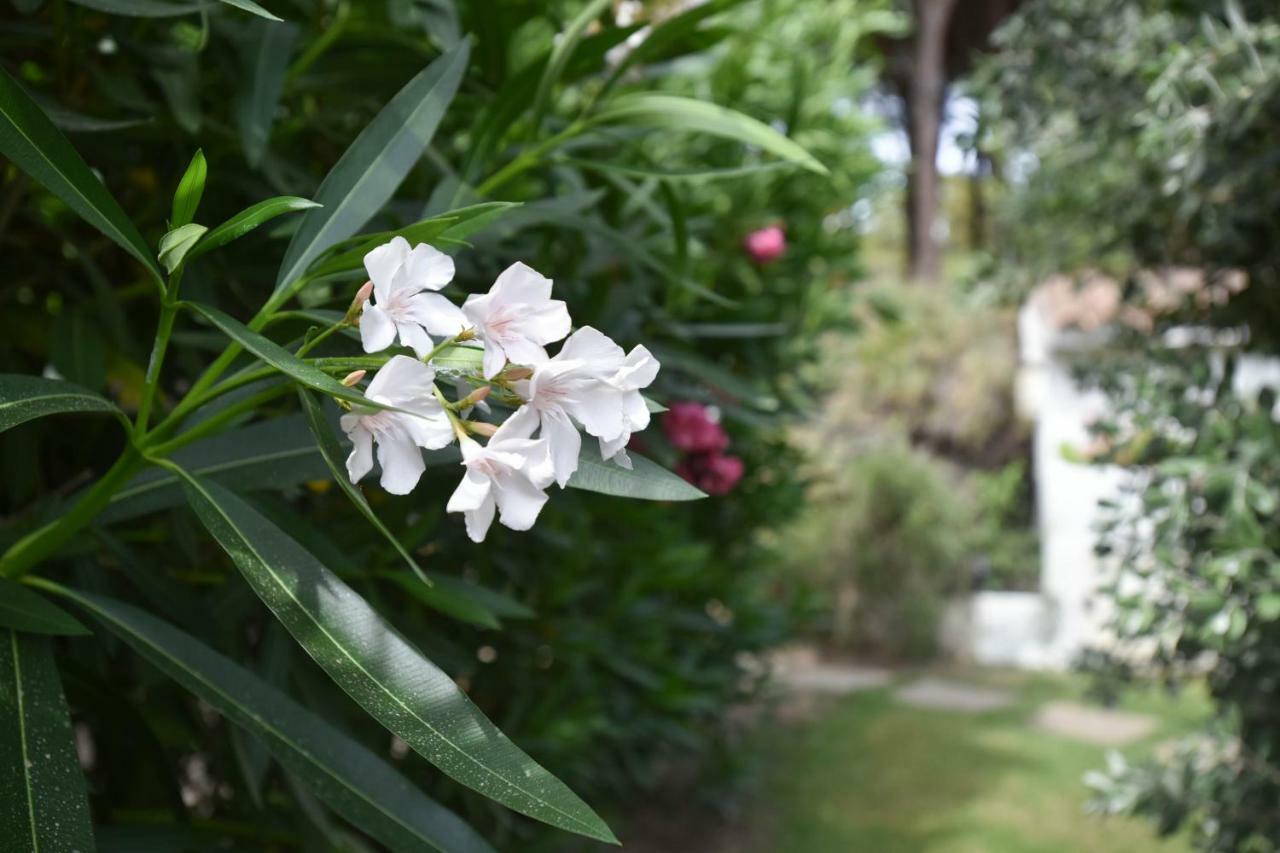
{"x": 144, "y": 8}
{"x": 262, "y": 85}
{"x": 24, "y": 398}
{"x": 247, "y": 220}
{"x": 353, "y": 781}
{"x": 565, "y": 45}
{"x": 454, "y": 223}
{"x": 378, "y": 668}
{"x": 43, "y": 806}
{"x": 280, "y": 358}
{"x": 332, "y": 453}
{"x": 273, "y": 454}
{"x": 372, "y": 168}
{"x": 23, "y": 609}
{"x": 673, "y": 112}
{"x": 252, "y": 8}
{"x": 647, "y": 480}
{"x": 29, "y": 139}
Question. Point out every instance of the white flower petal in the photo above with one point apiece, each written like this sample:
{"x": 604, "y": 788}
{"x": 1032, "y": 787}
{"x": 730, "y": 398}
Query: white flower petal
{"x": 401, "y": 462}
{"x": 377, "y": 331}
{"x": 401, "y": 380}
{"x": 440, "y": 316}
{"x": 428, "y": 268}
{"x": 519, "y": 502}
{"x": 564, "y": 443}
{"x": 414, "y": 336}
{"x": 639, "y": 371}
{"x": 593, "y": 347}
{"x": 520, "y": 425}
{"x": 382, "y": 262}
{"x": 524, "y": 351}
{"x": 360, "y": 461}
{"x": 545, "y": 322}
{"x": 479, "y": 520}
{"x": 600, "y": 411}
{"x": 520, "y": 283}
{"x": 471, "y": 493}
{"x": 494, "y": 359}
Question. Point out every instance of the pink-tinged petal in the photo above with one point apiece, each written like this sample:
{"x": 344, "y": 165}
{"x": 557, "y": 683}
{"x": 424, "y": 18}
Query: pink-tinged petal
{"x": 382, "y": 262}
{"x": 545, "y": 322}
{"x": 471, "y": 493}
{"x": 600, "y": 411}
{"x": 415, "y": 337}
{"x": 360, "y": 461}
{"x": 401, "y": 462}
{"x": 401, "y": 380}
{"x": 592, "y": 346}
{"x": 477, "y": 309}
{"x": 519, "y": 502}
{"x": 564, "y": 442}
{"x": 524, "y": 351}
{"x": 440, "y": 316}
{"x": 494, "y": 359}
{"x": 377, "y": 331}
{"x": 520, "y": 283}
{"x": 479, "y": 520}
{"x": 428, "y": 268}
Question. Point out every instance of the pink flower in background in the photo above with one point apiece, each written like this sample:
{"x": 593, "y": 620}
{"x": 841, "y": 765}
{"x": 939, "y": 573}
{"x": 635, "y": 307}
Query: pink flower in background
{"x": 714, "y": 473}
{"x": 766, "y": 245}
{"x": 691, "y": 428}
{"x": 695, "y": 429}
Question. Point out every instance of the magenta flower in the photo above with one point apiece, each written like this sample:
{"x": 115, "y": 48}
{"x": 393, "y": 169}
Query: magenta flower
{"x": 690, "y": 427}
{"x": 766, "y": 245}
{"x": 715, "y": 473}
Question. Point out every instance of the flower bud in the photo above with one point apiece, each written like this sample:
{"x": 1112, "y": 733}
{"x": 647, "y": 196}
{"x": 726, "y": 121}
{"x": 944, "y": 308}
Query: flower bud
{"x": 474, "y": 397}
{"x": 511, "y": 374}
{"x": 357, "y": 304}
{"x": 766, "y": 245}
{"x": 353, "y": 377}
{"x": 481, "y": 428}
{"x": 466, "y": 335}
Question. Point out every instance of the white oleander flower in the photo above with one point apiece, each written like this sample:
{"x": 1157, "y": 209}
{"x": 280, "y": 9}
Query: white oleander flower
{"x": 508, "y": 475}
{"x": 404, "y": 305}
{"x": 516, "y": 318}
{"x": 591, "y": 382}
{"x": 406, "y": 384}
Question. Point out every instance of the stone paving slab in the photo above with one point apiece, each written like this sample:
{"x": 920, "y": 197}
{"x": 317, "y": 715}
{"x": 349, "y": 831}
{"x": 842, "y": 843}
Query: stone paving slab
{"x": 944, "y": 695}
{"x": 836, "y": 679}
{"x": 1087, "y": 724}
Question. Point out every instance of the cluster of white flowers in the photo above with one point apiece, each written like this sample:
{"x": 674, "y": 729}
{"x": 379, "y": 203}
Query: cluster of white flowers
{"x": 590, "y": 383}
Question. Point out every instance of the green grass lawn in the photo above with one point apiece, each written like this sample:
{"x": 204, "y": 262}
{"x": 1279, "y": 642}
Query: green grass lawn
{"x": 871, "y": 774}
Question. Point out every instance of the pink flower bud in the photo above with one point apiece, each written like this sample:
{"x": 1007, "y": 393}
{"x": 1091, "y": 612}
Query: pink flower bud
{"x": 357, "y": 304}
{"x": 766, "y": 245}
{"x": 353, "y": 377}
{"x": 481, "y": 428}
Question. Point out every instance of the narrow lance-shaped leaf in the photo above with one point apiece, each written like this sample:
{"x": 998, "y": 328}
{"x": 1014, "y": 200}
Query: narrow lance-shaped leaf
{"x": 24, "y": 609}
{"x": 177, "y": 244}
{"x": 562, "y": 52}
{"x": 261, "y": 86}
{"x": 673, "y": 112}
{"x": 186, "y": 199}
{"x": 378, "y": 668}
{"x": 29, "y": 139}
{"x": 43, "y": 806}
{"x": 646, "y": 480}
{"x": 353, "y": 781}
{"x": 248, "y": 219}
{"x": 331, "y": 450}
{"x": 25, "y": 398}
{"x": 280, "y": 358}
{"x": 372, "y": 168}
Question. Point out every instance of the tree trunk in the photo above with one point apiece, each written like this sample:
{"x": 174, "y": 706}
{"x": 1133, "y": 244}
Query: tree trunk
{"x": 924, "y": 121}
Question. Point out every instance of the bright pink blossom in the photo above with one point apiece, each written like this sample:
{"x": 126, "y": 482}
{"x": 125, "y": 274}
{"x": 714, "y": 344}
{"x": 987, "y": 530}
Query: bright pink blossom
{"x": 766, "y": 244}
{"x": 714, "y": 473}
{"x": 690, "y": 427}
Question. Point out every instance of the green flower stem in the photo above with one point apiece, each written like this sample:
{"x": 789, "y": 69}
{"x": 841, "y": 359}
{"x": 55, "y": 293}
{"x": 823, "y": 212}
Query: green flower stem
{"x": 168, "y": 312}
{"x": 528, "y": 159}
{"x": 216, "y": 422}
{"x": 308, "y": 346}
{"x": 45, "y": 541}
